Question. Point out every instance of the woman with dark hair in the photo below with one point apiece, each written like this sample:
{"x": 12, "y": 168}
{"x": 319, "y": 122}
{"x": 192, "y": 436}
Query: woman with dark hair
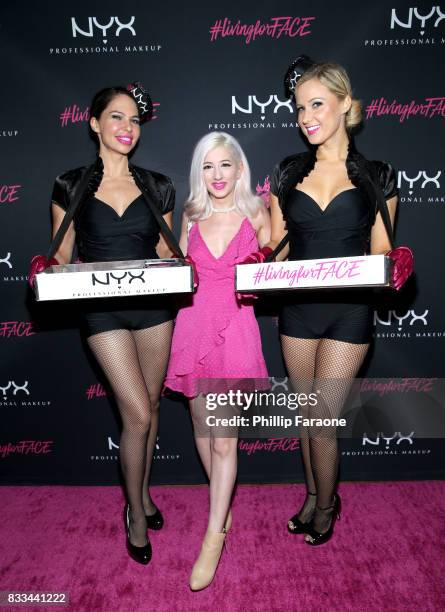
{"x": 333, "y": 203}
{"x": 130, "y": 337}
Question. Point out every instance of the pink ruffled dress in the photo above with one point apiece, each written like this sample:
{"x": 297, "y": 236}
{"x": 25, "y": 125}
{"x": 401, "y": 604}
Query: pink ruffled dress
{"x": 216, "y": 340}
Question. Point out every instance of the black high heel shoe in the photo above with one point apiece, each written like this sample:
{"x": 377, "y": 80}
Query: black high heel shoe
{"x": 155, "y": 521}
{"x": 294, "y": 525}
{"x": 141, "y": 554}
{"x": 322, "y": 538}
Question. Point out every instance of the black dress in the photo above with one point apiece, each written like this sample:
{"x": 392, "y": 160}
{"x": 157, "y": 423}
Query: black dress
{"x": 341, "y": 230}
{"x": 103, "y": 235}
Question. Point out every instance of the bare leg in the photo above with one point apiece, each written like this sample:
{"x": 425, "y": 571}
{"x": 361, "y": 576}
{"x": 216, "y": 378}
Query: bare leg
{"x": 202, "y": 433}
{"x": 222, "y": 480}
{"x": 219, "y": 458}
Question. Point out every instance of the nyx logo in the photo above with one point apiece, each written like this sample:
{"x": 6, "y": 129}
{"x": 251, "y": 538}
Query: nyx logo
{"x": 112, "y": 444}
{"x": 396, "y": 437}
{"x": 110, "y": 276}
{"x": 6, "y": 260}
{"x": 279, "y": 383}
{"x": 413, "y": 11}
{"x": 273, "y": 99}
{"x": 409, "y": 315}
{"x": 16, "y": 387}
{"x": 421, "y": 175}
{"x": 94, "y": 23}
{"x": 138, "y": 95}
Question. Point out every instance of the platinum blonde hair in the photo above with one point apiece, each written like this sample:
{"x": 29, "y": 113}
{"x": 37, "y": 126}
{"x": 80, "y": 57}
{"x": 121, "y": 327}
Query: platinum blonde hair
{"x": 198, "y": 204}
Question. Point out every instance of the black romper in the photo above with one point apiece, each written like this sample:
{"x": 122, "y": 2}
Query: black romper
{"x": 342, "y": 230}
{"x": 103, "y": 235}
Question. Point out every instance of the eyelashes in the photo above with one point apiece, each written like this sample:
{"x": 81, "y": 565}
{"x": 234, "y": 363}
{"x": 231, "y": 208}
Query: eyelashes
{"x": 134, "y": 120}
{"x": 223, "y": 165}
{"x": 314, "y": 105}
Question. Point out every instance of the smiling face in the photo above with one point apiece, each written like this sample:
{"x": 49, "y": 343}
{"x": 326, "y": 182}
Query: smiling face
{"x": 320, "y": 113}
{"x": 118, "y": 127}
{"x": 220, "y": 173}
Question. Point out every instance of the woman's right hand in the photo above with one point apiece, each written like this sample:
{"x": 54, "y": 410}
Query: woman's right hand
{"x": 39, "y": 263}
{"x": 258, "y": 256}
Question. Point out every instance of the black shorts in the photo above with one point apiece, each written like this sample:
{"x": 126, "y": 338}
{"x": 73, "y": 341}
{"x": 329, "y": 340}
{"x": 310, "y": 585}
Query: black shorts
{"x": 107, "y": 314}
{"x": 317, "y": 315}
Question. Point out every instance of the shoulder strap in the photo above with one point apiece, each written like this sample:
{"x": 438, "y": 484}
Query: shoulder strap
{"x": 71, "y": 211}
{"x": 277, "y": 249}
{"x": 373, "y": 179}
{"x": 166, "y": 231}
{"x": 383, "y": 208}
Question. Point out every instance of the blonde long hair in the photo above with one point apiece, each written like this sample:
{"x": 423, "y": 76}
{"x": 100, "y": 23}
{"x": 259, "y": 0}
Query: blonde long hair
{"x": 198, "y": 204}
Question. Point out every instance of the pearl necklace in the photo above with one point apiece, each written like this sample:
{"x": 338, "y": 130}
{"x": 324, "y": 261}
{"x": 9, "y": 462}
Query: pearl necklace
{"x": 222, "y": 210}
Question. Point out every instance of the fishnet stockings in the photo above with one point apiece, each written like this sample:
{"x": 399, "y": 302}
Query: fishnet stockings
{"x": 134, "y": 363}
{"x": 327, "y": 367}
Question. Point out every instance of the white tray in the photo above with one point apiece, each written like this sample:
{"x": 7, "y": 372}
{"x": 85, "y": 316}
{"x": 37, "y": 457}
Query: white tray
{"x": 362, "y": 271}
{"x": 114, "y": 279}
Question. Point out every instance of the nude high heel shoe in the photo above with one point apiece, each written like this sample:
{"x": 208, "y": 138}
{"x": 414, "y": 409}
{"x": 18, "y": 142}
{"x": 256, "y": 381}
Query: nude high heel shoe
{"x": 205, "y": 566}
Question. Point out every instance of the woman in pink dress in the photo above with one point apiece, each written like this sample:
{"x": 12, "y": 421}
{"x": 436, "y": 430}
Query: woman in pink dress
{"x": 216, "y": 338}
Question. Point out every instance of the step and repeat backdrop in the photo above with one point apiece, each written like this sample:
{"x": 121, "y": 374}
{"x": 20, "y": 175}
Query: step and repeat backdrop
{"x": 208, "y": 66}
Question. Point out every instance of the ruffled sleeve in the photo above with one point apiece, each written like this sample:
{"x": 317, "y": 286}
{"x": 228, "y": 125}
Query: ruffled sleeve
{"x": 387, "y": 180}
{"x": 67, "y": 185}
{"x": 59, "y": 195}
{"x": 275, "y": 180}
{"x": 168, "y": 195}
{"x": 156, "y": 186}
{"x": 289, "y": 172}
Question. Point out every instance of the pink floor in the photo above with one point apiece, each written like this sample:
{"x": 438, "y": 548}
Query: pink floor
{"x": 387, "y": 553}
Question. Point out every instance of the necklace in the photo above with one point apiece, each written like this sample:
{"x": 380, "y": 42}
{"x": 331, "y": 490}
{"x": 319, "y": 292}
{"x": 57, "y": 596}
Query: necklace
{"x": 222, "y": 210}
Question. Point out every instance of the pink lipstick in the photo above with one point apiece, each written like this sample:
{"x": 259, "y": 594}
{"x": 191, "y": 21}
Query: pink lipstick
{"x": 219, "y": 186}
{"x": 125, "y": 140}
{"x": 312, "y": 129}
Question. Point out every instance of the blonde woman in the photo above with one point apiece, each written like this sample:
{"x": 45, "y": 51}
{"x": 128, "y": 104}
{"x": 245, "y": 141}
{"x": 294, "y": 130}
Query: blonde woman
{"x": 216, "y": 336}
{"x": 329, "y": 201}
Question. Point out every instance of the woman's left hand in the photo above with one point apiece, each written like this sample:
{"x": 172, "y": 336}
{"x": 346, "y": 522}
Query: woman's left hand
{"x": 190, "y": 261}
{"x": 403, "y": 267}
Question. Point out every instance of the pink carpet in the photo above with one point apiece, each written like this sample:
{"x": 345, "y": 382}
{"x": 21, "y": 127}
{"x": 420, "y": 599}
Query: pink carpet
{"x": 387, "y": 552}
